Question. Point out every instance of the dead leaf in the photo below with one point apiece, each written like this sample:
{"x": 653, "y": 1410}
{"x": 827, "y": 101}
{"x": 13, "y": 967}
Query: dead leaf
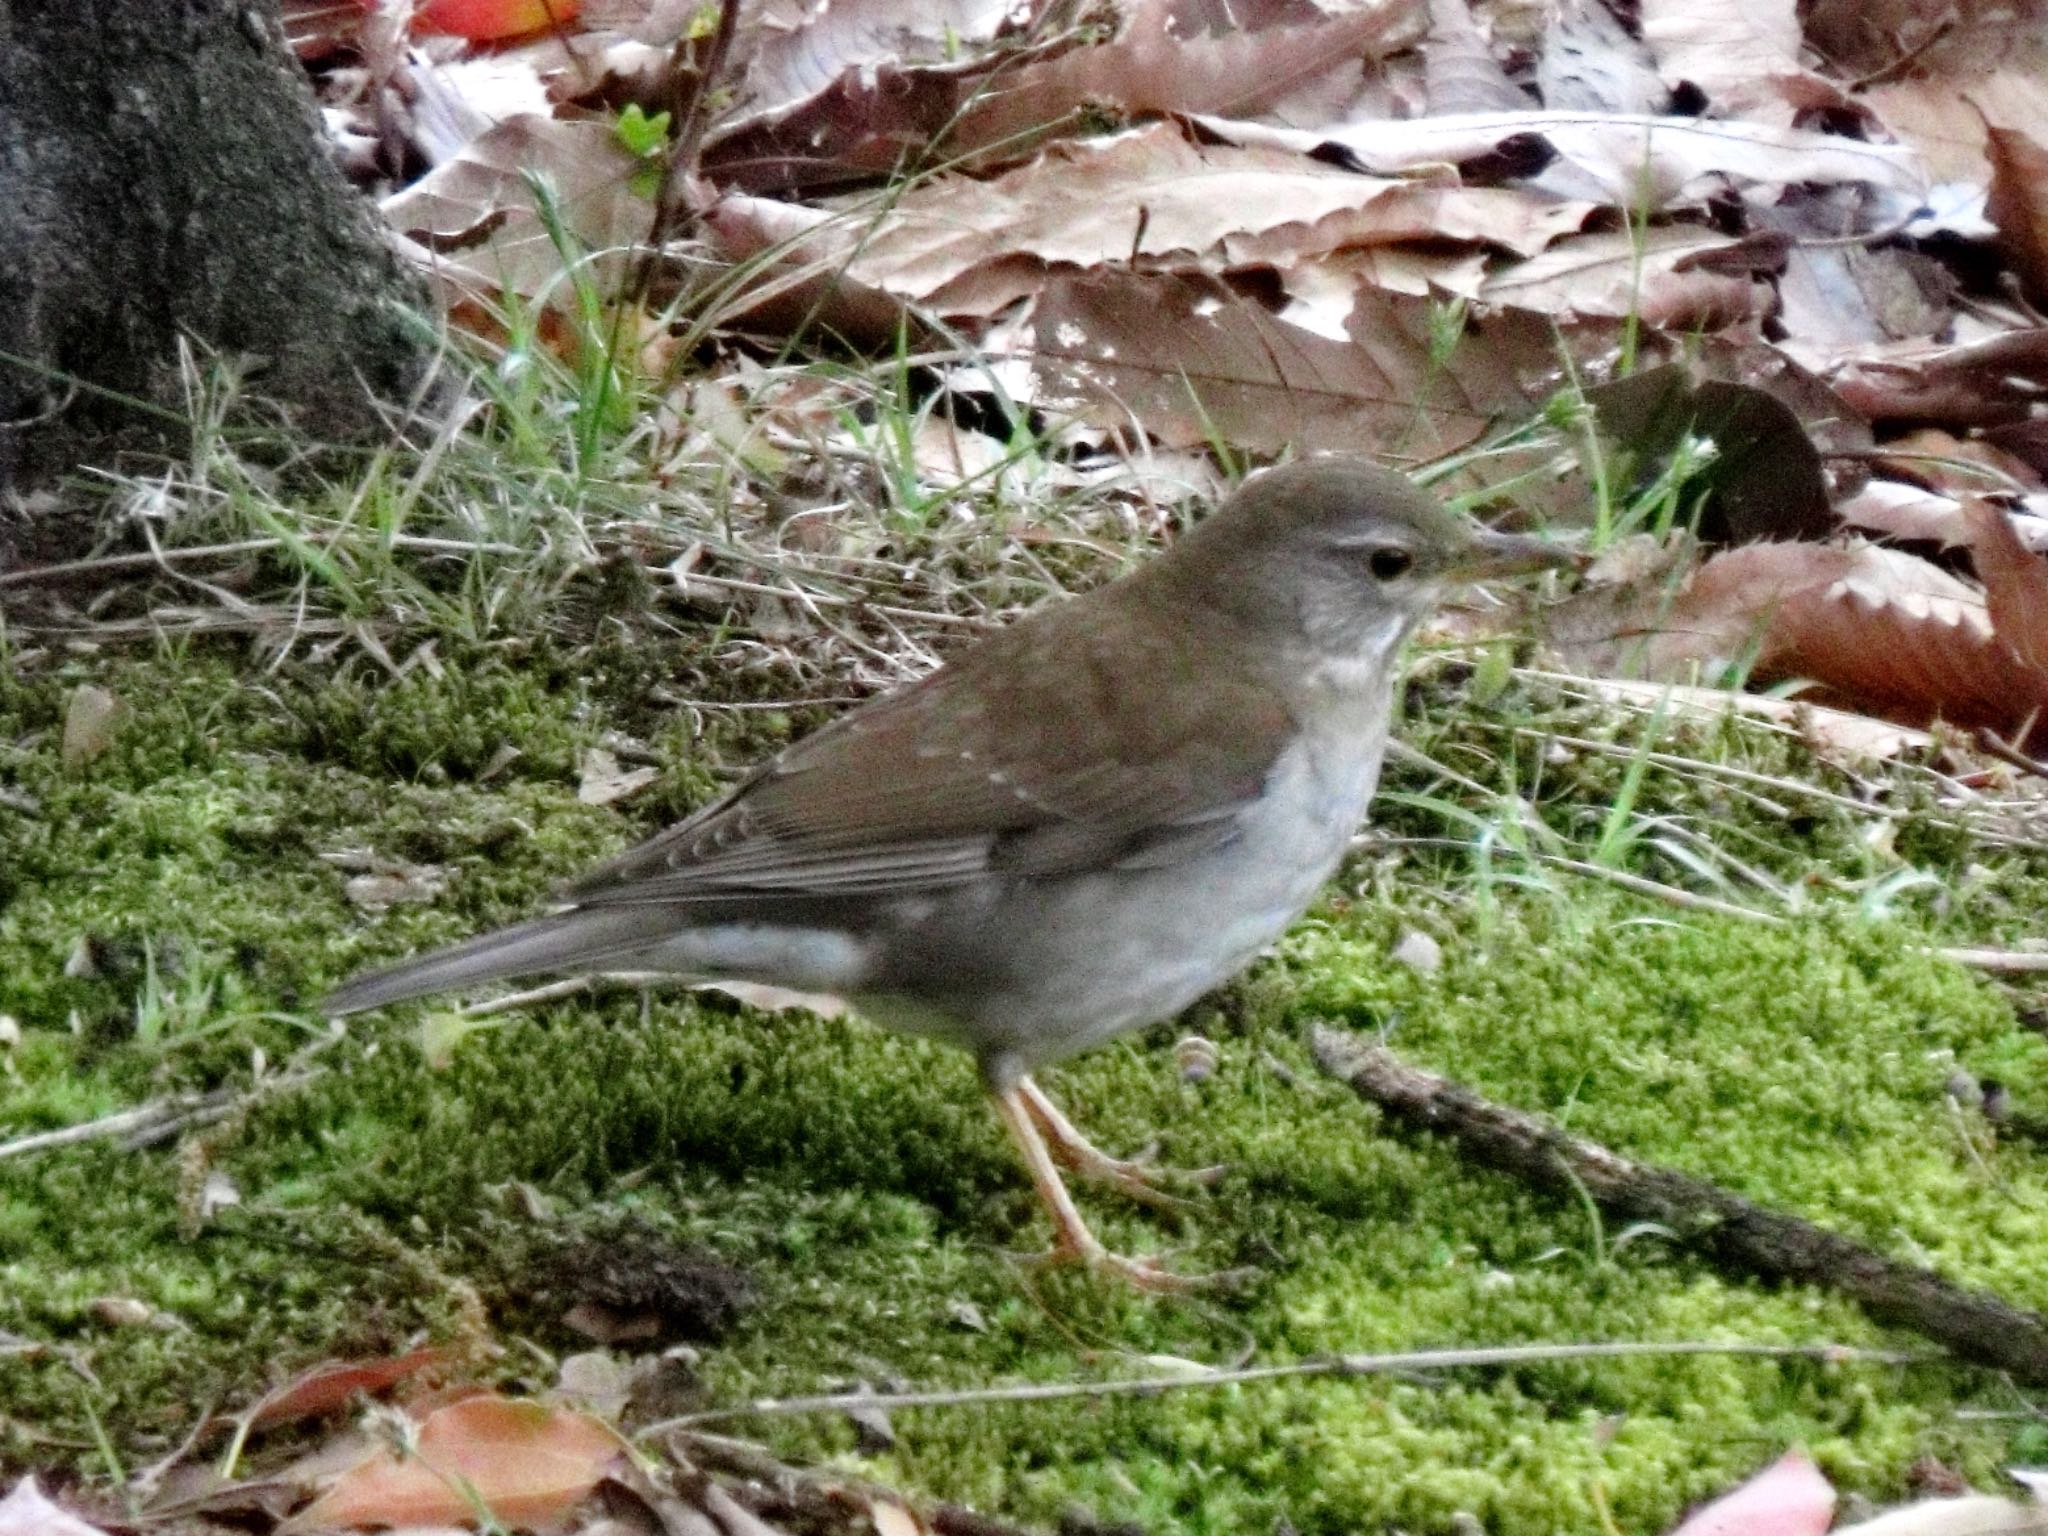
{"x": 1188, "y": 359}
{"x": 1980, "y": 382}
{"x": 800, "y": 48}
{"x": 968, "y": 249}
{"x": 1592, "y": 63}
{"x": 1631, "y": 162}
{"x": 1995, "y": 68}
{"x": 1655, "y": 274}
{"x": 1742, "y": 54}
{"x": 527, "y": 1463}
{"x": 1906, "y": 513}
{"x": 333, "y": 1385}
{"x": 1873, "y": 629}
{"x": 1829, "y": 733}
{"x": 1459, "y": 70}
{"x": 473, "y": 223}
{"x": 1151, "y": 67}
{"x": 1788, "y": 1498}
{"x": 27, "y": 1512}
{"x": 2018, "y": 204}
{"x": 379, "y": 883}
{"x": 92, "y": 719}
{"x": 601, "y": 781}
{"x": 2015, "y": 584}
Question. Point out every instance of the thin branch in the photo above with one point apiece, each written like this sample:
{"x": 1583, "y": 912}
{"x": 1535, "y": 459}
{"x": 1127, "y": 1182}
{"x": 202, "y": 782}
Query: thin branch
{"x": 693, "y": 106}
{"x": 1739, "y": 1235}
{"x": 1322, "y": 1365}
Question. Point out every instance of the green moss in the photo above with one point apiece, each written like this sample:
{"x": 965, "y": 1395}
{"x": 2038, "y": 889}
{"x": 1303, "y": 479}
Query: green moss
{"x": 858, "y": 1179}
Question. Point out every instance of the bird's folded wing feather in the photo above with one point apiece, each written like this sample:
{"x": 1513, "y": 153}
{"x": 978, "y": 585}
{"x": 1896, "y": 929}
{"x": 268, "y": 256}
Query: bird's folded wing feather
{"x": 1049, "y": 748}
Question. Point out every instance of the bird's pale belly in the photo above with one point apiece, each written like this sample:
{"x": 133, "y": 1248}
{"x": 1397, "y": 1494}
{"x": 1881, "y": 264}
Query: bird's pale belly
{"x": 1079, "y": 960}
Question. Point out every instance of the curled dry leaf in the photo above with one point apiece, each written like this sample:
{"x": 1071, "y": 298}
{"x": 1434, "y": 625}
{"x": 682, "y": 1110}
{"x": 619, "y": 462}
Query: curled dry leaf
{"x": 1838, "y": 734}
{"x": 1743, "y": 54}
{"x": 1996, "y": 70}
{"x": 1893, "y": 510}
{"x": 1459, "y": 70}
{"x": 1592, "y": 63}
{"x": 601, "y": 781}
{"x": 527, "y": 1463}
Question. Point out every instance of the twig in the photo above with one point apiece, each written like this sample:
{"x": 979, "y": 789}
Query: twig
{"x": 1745, "y": 1237}
{"x": 163, "y": 558}
{"x": 692, "y": 107}
{"x": 1322, "y": 1365}
{"x": 165, "y": 1116}
{"x": 147, "y": 1124}
{"x": 1991, "y": 744}
{"x": 1690, "y": 900}
{"x": 2009, "y": 962}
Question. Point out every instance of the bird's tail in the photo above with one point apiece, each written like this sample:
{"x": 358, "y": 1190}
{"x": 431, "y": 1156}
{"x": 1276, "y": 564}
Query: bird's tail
{"x": 581, "y": 939}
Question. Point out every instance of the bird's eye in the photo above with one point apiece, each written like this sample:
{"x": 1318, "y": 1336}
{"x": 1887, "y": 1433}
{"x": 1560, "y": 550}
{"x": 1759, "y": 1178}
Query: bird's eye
{"x": 1388, "y": 563}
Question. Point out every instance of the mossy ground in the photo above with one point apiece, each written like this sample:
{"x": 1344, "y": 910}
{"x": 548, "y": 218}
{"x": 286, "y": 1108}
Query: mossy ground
{"x": 860, "y": 1182}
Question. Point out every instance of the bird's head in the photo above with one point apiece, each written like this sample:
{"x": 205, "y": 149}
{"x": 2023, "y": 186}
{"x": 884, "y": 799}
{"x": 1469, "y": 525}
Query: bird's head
{"x": 1340, "y": 555}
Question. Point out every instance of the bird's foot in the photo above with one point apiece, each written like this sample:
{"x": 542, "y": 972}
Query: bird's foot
{"x": 1136, "y": 1178}
{"x": 1147, "y": 1274}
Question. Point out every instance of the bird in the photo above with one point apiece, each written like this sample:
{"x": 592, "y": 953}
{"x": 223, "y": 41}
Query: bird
{"x": 1072, "y": 829}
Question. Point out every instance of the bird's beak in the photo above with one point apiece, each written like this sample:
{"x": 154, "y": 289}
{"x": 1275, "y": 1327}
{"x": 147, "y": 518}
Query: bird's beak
{"x": 1493, "y": 554}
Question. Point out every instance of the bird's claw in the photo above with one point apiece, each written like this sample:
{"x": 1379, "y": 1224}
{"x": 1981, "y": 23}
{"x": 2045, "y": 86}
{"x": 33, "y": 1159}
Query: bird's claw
{"x": 1143, "y": 1274}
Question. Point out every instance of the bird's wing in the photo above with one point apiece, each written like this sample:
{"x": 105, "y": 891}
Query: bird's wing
{"x": 1050, "y": 747}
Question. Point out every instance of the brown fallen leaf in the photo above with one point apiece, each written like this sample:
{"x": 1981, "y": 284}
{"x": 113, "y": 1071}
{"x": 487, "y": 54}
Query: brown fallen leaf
{"x": 1654, "y": 274}
{"x": 2015, "y": 585}
{"x": 1873, "y": 629}
{"x": 472, "y": 223}
{"x": 524, "y": 1462}
{"x": 1151, "y": 67}
{"x": 1632, "y": 160}
{"x": 2018, "y": 204}
{"x": 969, "y": 249}
{"x": 333, "y": 1385}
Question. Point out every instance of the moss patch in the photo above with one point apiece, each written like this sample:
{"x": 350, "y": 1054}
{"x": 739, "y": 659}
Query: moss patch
{"x": 191, "y": 876}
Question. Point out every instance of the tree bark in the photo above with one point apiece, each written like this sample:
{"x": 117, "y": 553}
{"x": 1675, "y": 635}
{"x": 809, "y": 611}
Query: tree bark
{"x": 163, "y": 175}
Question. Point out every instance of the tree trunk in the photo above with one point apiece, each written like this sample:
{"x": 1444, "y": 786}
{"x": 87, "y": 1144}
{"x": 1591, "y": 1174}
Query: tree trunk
{"x": 163, "y": 174}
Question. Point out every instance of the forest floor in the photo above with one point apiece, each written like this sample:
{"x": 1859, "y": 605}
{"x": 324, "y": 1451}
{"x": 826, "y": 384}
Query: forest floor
{"x": 809, "y": 1203}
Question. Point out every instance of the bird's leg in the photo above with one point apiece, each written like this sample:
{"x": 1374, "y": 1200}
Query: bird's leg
{"x": 1136, "y": 1179}
{"x": 1074, "y": 1243}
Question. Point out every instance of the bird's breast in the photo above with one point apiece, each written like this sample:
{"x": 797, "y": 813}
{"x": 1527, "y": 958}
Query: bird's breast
{"x": 1062, "y": 962}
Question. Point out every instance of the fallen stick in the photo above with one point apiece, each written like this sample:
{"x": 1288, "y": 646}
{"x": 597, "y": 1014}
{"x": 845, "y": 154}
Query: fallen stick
{"x": 1736, "y": 1233}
